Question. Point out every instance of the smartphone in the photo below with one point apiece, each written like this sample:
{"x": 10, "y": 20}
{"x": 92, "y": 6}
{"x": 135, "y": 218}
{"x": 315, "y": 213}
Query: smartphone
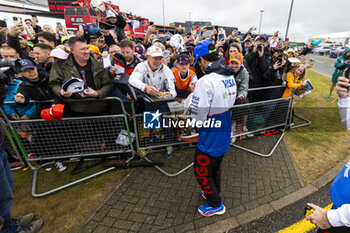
{"x": 347, "y": 72}
{"x": 17, "y": 20}
{"x": 151, "y": 23}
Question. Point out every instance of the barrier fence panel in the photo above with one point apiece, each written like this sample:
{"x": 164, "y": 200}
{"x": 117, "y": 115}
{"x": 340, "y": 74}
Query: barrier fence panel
{"x": 75, "y": 137}
{"x": 101, "y": 136}
{"x": 10, "y": 145}
{"x": 292, "y": 112}
{"x": 151, "y": 140}
{"x": 255, "y": 118}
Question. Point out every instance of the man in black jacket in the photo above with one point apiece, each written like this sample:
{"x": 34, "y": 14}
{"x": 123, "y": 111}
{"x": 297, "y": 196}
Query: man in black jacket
{"x": 33, "y": 86}
{"x": 258, "y": 60}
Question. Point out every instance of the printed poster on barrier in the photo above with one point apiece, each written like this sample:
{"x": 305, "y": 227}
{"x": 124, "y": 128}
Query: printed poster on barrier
{"x": 304, "y": 90}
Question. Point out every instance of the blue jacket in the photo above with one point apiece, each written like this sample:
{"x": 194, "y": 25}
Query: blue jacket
{"x": 28, "y": 110}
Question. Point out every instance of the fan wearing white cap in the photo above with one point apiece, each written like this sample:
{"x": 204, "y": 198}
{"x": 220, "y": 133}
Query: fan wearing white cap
{"x": 152, "y": 76}
{"x": 116, "y": 19}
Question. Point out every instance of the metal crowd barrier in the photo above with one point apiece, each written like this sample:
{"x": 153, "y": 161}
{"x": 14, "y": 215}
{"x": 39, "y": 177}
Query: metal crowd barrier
{"x": 81, "y": 137}
{"x": 261, "y": 116}
{"x": 70, "y": 139}
{"x": 10, "y": 145}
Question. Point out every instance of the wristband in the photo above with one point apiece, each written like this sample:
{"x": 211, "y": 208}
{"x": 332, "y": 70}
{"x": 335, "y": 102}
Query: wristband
{"x": 145, "y": 90}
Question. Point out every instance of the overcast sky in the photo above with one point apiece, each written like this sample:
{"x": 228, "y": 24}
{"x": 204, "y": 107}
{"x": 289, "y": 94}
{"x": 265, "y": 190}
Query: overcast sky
{"x": 309, "y": 17}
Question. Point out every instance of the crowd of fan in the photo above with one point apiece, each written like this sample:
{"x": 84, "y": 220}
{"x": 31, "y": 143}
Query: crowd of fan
{"x": 156, "y": 65}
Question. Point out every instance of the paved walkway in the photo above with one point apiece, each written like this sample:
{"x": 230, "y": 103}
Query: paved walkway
{"x": 149, "y": 201}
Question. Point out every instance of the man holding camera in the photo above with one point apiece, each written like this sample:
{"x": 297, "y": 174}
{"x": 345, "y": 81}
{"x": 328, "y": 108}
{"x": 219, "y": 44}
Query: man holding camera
{"x": 258, "y": 60}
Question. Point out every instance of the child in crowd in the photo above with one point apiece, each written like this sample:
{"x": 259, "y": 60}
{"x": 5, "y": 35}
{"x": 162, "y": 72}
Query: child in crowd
{"x": 185, "y": 78}
{"x": 294, "y": 79}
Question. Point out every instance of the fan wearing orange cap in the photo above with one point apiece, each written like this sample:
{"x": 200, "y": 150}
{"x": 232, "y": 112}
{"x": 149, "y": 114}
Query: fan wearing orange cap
{"x": 240, "y": 115}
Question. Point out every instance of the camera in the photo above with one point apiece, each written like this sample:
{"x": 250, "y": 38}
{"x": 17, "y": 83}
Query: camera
{"x": 278, "y": 59}
{"x": 8, "y": 69}
{"x": 260, "y": 47}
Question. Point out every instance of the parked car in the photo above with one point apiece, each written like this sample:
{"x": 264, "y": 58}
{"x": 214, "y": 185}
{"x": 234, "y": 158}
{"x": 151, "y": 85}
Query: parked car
{"x": 334, "y": 51}
{"x": 341, "y": 50}
{"x": 324, "y": 51}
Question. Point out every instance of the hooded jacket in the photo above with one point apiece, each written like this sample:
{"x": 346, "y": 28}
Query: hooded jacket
{"x": 212, "y": 100}
{"x": 340, "y": 65}
{"x": 38, "y": 90}
{"x": 62, "y": 69}
{"x": 242, "y": 81}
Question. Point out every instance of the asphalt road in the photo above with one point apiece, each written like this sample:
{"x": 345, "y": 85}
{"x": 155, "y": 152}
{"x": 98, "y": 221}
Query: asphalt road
{"x": 287, "y": 216}
{"x": 324, "y": 65}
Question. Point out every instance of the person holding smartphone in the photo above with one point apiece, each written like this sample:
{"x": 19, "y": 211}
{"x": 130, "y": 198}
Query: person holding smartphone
{"x": 340, "y": 65}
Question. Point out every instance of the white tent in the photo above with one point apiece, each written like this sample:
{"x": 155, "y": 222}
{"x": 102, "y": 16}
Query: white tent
{"x": 342, "y": 38}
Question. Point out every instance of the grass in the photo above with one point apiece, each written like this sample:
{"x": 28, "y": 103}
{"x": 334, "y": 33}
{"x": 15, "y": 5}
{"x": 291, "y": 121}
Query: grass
{"x": 68, "y": 209}
{"x": 321, "y": 145}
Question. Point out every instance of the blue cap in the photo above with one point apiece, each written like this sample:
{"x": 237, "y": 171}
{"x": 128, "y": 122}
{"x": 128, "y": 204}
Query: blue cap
{"x": 25, "y": 63}
{"x": 202, "y": 49}
{"x": 92, "y": 28}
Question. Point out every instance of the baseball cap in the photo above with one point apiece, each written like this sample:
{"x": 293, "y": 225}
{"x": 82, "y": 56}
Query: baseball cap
{"x": 183, "y": 58}
{"x": 236, "y": 57}
{"x": 59, "y": 53}
{"x": 202, "y": 49}
{"x": 110, "y": 14}
{"x": 94, "y": 49}
{"x": 263, "y": 36}
{"x": 291, "y": 51}
{"x": 92, "y": 28}
{"x": 105, "y": 26}
{"x": 155, "y": 51}
{"x": 64, "y": 39}
{"x": 73, "y": 85}
{"x": 26, "y": 63}
{"x": 140, "y": 50}
{"x": 156, "y": 40}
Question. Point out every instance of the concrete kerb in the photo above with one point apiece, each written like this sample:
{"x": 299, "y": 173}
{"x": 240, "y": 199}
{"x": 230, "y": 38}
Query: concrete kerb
{"x": 254, "y": 214}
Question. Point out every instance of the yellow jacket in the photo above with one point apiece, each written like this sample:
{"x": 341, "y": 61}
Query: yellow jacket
{"x": 292, "y": 82}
